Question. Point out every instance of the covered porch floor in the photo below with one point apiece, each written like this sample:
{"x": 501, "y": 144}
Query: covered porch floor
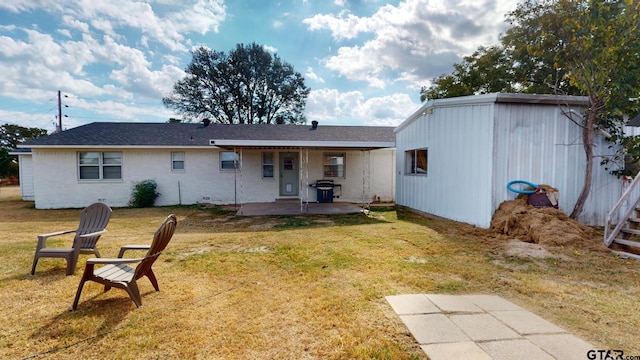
{"x": 292, "y": 207}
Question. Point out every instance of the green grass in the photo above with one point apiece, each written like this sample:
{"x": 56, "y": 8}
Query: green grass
{"x": 291, "y": 287}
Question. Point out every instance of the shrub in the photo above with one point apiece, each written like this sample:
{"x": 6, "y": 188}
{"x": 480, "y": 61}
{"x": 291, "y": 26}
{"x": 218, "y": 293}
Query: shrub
{"x": 144, "y": 194}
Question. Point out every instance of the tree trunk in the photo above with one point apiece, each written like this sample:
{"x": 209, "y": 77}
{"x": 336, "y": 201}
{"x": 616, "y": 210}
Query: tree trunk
{"x": 588, "y": 135}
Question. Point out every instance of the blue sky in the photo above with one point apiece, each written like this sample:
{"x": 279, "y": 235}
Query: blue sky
{"x": 364, "y": 60}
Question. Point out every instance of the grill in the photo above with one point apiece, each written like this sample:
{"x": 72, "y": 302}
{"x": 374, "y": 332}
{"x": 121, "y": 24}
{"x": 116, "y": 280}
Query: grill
{"x": 324, "y": 190}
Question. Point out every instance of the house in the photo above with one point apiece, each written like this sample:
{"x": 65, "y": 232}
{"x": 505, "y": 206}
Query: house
{"x": 208, "y": 163}
{"x": 456, "y": 156}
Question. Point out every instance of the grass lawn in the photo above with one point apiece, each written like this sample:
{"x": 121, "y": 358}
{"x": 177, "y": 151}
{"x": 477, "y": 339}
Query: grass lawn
{"x": 290, "y": 287}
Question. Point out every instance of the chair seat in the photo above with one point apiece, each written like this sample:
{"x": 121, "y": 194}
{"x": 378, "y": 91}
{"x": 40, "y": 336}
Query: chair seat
{"x": 116, "y": 273}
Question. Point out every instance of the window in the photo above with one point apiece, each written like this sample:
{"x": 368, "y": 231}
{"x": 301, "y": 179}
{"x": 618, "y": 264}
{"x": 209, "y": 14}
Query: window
{"x": 267, "y": 165}
{"x": 229, "y": 160}
{"x": 177, "y": 160}
{"x": 333, "y": 165}
{"x": 93, "y": 165}
{"x": 416, "y": 161}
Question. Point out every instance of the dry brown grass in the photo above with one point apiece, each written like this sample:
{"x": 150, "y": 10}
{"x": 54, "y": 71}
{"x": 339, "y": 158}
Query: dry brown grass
{"x": 290, "y": 287}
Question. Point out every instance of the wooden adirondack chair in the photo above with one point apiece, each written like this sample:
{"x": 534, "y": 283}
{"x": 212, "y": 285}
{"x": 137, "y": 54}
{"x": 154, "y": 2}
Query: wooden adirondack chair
{"x": 93, "y": 221}
{"x": 116, "y": 272}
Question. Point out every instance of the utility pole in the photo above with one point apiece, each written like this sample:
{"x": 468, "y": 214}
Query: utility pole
{"x": 59, "y": 125}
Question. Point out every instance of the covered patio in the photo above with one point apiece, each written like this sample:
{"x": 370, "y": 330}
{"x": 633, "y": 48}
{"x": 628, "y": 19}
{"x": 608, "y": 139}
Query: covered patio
{"x": 292, "y": 170}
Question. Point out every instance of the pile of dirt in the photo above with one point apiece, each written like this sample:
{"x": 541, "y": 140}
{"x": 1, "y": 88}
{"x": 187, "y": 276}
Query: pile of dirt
{"x": 544, "y": 225}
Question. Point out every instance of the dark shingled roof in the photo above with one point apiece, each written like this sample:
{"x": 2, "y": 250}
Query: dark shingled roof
{"x": 196, "y": 134}
{"x": 635, "y": 121}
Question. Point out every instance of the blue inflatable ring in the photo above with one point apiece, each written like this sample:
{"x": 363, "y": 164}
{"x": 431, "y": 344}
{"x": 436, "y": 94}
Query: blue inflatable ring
{"x": 528, "y": 192}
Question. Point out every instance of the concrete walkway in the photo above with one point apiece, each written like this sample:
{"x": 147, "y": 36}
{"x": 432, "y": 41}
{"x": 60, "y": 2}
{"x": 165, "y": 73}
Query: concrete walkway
{"x": 483, "y": 327}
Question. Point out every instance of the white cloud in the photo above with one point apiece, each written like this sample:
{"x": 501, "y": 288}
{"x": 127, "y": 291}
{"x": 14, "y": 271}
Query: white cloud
{"x": 343, "y": 26}
{"x": 112, "y": 40}
{"x": 310, "y": 74}
{"x": 72, "y": 23}
{"x": 271, "y": 49}
{"x": 333, "y": 106}
{"x": 414, "y": 41}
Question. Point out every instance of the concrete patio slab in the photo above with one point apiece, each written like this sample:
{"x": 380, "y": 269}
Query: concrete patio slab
{"x": 412, "y": 304}
{"x": 433, "y": 328}
{"x": 514, "y": 350}
{"x": 294, "y": 207}
{"x": 491, "y": 302}
{"x": 464, "y": 350}
{"x": 453, "y": 303}
{"x": 483, "y": 327}
{"x": 562, "y": 346}
{"x": 526, "y": 323}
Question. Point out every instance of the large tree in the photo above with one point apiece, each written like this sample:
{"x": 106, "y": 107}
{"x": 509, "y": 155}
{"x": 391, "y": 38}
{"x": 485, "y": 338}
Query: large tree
{"x": 247, "y": 85}
{"x": 487, "y": 70}
{"x": 10, "y": 136}
{"x": 587, "y": 47}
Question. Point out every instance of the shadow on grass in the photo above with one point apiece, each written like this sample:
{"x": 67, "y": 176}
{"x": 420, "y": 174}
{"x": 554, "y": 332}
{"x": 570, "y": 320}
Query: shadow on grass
{"x": 74, "y": 326}
{"x": 44, "y": 277}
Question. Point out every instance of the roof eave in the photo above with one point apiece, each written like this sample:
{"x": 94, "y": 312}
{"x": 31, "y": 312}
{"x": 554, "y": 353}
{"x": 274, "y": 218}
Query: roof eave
{"x": 107, "y": 146}
{"x": 302, "y": 144}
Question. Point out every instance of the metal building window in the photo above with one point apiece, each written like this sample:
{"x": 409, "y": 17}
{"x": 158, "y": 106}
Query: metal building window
{"x": 229, "y": 160}
{"x": 416, "y": 161}
{"x": 94, "y": 165}
{"x": 333, "y": 165}
{"x": 177, "y": 160}
{"x": 267, "y": 165}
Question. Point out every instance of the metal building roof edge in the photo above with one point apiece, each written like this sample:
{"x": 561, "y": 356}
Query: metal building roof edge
{"x": 543, "y": 99}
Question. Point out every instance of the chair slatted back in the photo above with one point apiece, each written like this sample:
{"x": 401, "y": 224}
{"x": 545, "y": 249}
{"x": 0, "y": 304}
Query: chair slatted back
{"x": 161, "y": 238}
{"x": 93, "y": 218}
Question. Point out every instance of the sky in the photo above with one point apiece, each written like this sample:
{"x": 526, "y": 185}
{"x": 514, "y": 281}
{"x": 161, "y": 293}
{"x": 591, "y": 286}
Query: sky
{"x": 113, "y": 61}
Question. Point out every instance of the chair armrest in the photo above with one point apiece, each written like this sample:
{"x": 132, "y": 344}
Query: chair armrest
{"x": 104, "y": 261}
{"x": 93, "y": 233}
{"x": 132, "y": 247}
{"x": 42, "y": 238}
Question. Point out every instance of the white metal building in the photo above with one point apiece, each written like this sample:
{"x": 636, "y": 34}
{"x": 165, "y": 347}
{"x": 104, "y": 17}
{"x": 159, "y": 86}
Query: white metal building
{"x": 456, "y": 156}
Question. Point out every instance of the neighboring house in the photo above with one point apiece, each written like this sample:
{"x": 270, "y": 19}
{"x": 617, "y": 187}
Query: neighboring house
{"x": 208, "y": 163}
{"x": 456, "y": 156}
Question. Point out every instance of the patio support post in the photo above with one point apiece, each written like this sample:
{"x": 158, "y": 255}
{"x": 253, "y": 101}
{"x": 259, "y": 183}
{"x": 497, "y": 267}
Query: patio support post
{"x": 366, "y": 179}
{"x": 304, "y": 179}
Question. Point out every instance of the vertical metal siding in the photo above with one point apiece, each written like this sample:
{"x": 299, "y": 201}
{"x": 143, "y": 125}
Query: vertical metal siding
{"x": 475, "y": 150}
{"x": 544, "y": 147}
{"x": 459, "y": 142}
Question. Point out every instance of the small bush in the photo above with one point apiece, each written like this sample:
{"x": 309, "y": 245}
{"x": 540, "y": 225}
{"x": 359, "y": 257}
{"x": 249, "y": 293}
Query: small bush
{"x": 144, "y": 194}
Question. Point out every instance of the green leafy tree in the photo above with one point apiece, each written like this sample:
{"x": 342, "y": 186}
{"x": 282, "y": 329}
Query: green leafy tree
{"x": 587, "y": 47}
{"x": 247, "y": 85}
{"x": 10, "y": 136}
{"x": 487, "y": 70}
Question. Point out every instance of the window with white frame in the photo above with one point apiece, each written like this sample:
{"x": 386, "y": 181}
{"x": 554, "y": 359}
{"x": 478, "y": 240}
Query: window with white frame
{"x": 95, "y": 165}
{"x": 333, "y": 164}
{"x": 267, "y": 165}
{"x": 177, "y": 160}
{"x": 416, "y": 161}
{"x": 229, "y": 160}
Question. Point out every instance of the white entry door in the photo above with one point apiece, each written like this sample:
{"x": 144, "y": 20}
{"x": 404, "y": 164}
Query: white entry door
{"x": 289, "y": 174}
